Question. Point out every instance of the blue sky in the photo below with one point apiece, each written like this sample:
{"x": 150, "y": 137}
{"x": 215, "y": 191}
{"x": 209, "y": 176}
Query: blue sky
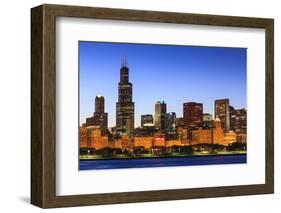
{"x": 175, "y": 74}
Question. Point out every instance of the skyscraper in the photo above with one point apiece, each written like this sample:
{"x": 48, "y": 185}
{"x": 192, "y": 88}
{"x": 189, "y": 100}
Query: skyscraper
{"x": 240, "y": 122}
{"x": 170, "y": 123}
{"x": 160, "y": 113}
{"x": 99, "y": 104}
{"x": 193, "y": 115}
{"x": 207, "y": 120}
{"x": 125, "y": 107}
{"x": 222, "y": 111}
{"x": 100, "y": 117}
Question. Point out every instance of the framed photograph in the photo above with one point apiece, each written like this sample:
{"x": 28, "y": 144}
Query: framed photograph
{"x": 137, "y": 106}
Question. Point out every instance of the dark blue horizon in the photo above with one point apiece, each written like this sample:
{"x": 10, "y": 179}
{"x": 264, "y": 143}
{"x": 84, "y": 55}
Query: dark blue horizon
{"x": 172, "y": 73}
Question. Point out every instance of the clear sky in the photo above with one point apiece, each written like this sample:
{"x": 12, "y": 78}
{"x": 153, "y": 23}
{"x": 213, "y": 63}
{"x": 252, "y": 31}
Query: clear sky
{"x": 174, "y": 74}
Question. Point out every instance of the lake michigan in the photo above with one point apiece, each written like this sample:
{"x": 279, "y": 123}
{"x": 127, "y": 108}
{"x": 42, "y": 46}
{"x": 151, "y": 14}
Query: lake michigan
{"x": 161, "y": 162}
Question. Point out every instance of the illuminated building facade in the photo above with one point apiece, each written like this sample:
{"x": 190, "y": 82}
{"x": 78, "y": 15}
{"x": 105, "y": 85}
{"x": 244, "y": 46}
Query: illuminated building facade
{"x": 83, "y": 137}
{"x": 215, "y": 135}
{"x": 160, "y": 113}
{"x": 218, "y": 132}
{"x": 201, "y": 136}
{"x": 241, "y": 138}
{"x": 146, "y": 120}
{"x": 159, "y": 140}
{"x": 170, "y": 143}
{"x": 192, "y": 116}
{"x": 222, "y": 111}
{"x": 145, "y": 142}
{"x": 183, "y": 135}
{"x": 95, "y": 139}
{"x": 240, "y": 121}
{"x": 207, "y": 121}
{"x": 230, "y": 137}
{"x": 170, "y": 123}
{"x": 125, "y": 107}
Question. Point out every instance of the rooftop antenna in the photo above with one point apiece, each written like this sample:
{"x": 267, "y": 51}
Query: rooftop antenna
{"x": 124, "y": 61}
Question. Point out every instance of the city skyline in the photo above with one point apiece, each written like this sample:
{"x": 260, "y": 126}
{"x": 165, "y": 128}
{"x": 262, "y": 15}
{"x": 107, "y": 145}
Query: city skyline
{"x": 222, "y": 70}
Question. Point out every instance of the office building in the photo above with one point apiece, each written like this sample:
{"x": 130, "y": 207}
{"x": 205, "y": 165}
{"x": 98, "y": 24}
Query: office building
{"x": 160, "y": 113}
{"x": 207, "y": 121}
{"x": 146, "y": 120}
{"x": 125, "y": 107}
{"x": 170, "y": 124}
{"x": 222, "y": 111}
{"x": 193, "y": 115}
{"x": 100, "y": 118}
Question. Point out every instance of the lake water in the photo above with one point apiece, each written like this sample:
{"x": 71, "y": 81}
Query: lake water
{"x": 161, "y": 162}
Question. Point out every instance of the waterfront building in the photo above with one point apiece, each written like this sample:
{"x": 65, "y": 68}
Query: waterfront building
{"x": 146, "y": 120}
{"x": 125, "y": 107}
{"x": 230, "y": 137}
{"x": 218, "y": 132}
{"x": 201, "y": 136}
{"x": 83, "y": 137}
{"x": 182, "y": 134}
{"x": 126, "y": 142}
{"x": 118, "y": 143}
{"x": 215, "y": 135}
{"x": 175, "y": 142}
{"x": 159, "y": 140}
{"x": 95, "y": 139}
{"x": 241, "y": 138}
{"x": 160, "y": 112}
{"x": 222, "y": 111}
{"x": 145, "y": 142}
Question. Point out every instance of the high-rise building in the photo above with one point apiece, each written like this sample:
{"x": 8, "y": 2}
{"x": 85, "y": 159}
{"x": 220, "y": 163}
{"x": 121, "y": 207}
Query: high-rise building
{"x": 240, "y": 122}
{"x": 215, "y": 135}
{"x": 193, "y": 115}
{"x": 125, "y": 107}
{"x": 99, "y": 104}
{"x": 207, "y": 121}
{"x": 160, "y": 113}
{"x": 170, "y": 123}
{"x": 217, "y": 131}
{"x": 99, "y": 118}
{"x": 232, "y": 118}
{"x": 146, "y": 120}
{"x": 179, "y": 122}
{"x": 222, "y": 111}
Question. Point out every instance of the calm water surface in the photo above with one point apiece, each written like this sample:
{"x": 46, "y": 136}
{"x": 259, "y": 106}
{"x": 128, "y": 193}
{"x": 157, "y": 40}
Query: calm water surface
{"x": 161, "y": 162}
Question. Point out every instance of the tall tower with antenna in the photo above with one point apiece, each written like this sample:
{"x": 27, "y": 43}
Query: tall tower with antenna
{"x": 125, "y": 107}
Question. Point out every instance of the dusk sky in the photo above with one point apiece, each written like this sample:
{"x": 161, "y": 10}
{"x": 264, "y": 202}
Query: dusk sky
{"x": 174, "y": 74}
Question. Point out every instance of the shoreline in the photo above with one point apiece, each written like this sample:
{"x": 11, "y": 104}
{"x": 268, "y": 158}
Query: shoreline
{"x": 161, "y": 157}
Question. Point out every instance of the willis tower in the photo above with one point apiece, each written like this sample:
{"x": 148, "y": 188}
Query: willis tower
{"x": 125, "y": 107}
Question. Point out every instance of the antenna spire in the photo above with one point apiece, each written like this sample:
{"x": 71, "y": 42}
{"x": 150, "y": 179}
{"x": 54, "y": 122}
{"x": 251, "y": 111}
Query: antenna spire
{"x": 124, "y": 61}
